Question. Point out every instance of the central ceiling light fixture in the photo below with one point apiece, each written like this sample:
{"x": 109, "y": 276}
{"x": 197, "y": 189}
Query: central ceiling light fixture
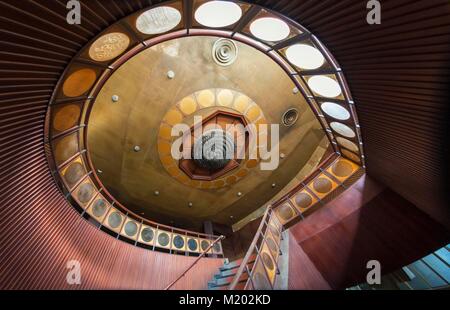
{"x": 218, "y": 14}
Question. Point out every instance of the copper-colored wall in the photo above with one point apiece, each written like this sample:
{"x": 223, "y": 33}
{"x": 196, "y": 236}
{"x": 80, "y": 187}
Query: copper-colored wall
{"x": 41, "y": 233}
{"x": 367, "y": 222}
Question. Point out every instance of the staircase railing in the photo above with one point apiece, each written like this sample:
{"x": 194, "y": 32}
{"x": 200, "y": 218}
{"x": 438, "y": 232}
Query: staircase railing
{"x": 266, "y": 244}
{"x": 220, "y": 238}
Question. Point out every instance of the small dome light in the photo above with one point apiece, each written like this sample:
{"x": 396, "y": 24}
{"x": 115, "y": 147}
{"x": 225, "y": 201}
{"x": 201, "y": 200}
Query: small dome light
{"x": 305, "y": 56}
{"x": 270, "y": 29}
{"x": 325, "y": 86}
{"x": 218, "y": 14}
{"x": 171, "y": 75}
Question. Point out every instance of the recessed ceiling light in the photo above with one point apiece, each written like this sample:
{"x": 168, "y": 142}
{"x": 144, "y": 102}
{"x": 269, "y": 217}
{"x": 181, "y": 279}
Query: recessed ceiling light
{"x": 335, "y": 110}
{"x": 324, "y": 86}
{"x": 343, "y": 129}
{"x": 218, "y": 14}
{"x": 170, "y": 74}
{"x": 158, "y": 20}
{"x": 305, "y": 56}
{"x": 270, "y": 29}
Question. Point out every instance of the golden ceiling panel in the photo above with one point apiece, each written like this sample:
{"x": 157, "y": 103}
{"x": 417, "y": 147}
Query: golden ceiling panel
{"x": 173, "y": 117}
{"x": 188, "y": 105}
{"x": 285, "y": 212}
{"x": 109, "y": 46}
{"x": 241, "y": 103}
{"x": 197, "y": 104}
{"x": 66, "y": 117}
{"x": 225, "y": 97}
{"x": 79, "y": 82}
{"x": 342, "y": 168}
{"x": 253, "y": 113}
{"x": 206, "y": 98}
{"x": 303, "y": 201}
{"x": 322, "y": 185}
{"x": 65, "y": 148}
{"x": 351, "y": 156}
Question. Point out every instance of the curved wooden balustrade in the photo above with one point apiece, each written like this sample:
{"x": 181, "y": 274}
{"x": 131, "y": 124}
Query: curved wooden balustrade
{"x": 266, "y": 245}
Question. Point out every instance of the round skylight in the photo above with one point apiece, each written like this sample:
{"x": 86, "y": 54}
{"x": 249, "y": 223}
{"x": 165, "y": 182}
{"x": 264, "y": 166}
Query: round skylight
{"x": 270, "y": 29}
{"x": 158, "y": 20}
{"x": 305, "y": 56}
{"x": 343, "y": 129}
{"x": 325, "y": 86}
{"x": 335, "y": 110}
{"x": 218, "y": 14}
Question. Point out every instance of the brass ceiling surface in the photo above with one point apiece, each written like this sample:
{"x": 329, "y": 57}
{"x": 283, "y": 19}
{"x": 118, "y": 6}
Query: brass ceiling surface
{"x": 146, "y": 94}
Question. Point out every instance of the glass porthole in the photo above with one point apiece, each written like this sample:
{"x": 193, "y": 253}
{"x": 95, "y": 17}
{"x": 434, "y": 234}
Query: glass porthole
{"x": 218, "y": 14}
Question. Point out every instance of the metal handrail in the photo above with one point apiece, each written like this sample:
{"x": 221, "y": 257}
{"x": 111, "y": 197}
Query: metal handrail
{"x": 195, "y": 262}
{"x": 250, "y": 251}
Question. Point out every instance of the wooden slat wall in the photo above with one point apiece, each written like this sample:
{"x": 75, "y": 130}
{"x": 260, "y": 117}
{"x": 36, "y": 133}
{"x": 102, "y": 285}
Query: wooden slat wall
{"x": 366, "y": 222}
{"x": 398, "y": 73}
{"x": 40, "y": 231}
{"x": 394, "y": 71}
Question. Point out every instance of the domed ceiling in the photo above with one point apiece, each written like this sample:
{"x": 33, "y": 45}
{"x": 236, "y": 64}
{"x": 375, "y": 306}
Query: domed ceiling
{"x": 172, "y": 82}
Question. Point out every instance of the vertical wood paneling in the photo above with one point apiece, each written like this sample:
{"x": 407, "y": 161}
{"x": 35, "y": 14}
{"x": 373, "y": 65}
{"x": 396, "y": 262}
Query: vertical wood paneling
{"x": 366, "y": 222}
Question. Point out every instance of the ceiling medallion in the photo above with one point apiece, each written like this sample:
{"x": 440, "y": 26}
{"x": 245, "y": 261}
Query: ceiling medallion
{"x": 109, "y": 46}
{"x": 224, "y": 52}
{"x": 214, "y": 153}
{"x": 209, "y": 170}
{"x": 214, "y": 150}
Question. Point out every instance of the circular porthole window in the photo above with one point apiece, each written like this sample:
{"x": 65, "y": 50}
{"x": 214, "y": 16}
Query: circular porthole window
{"x": 270, "y": 29}
{"x": 158, "y": 20}
{"x": 325, "y": 86}
{"x": 218, "y": 14}
{"x": 335, "y": 110}
{"x": 305, "y": 56}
